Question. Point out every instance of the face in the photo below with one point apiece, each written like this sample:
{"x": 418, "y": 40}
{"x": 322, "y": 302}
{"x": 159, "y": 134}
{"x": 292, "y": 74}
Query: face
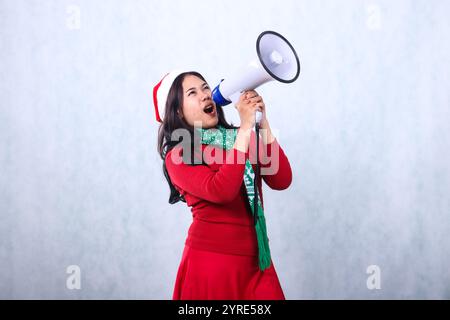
{"x": 198, "y": 106}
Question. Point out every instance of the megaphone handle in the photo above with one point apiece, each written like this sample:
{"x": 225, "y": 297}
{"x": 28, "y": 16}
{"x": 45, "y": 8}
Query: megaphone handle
{"x": 258, "y": 117}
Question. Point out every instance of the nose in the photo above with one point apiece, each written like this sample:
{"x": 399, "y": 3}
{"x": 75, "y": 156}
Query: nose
{"x": 206, "y": 96}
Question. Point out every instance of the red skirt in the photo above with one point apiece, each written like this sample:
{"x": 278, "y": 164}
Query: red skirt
{"x": 206, "y": 275}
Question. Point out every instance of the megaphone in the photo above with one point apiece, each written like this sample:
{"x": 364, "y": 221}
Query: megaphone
{"x": 276, "y": 60}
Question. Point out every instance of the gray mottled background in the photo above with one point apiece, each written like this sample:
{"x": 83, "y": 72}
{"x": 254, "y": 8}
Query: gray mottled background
{"x": 366, "y": 128}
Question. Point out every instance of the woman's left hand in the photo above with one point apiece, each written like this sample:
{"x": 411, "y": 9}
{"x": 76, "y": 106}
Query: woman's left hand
{"x": 266, "y": 132}
{"x": 253, "y": 97}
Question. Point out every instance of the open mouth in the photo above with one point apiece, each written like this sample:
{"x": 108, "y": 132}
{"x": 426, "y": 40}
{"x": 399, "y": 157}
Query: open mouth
{"x": 209, "y": 109}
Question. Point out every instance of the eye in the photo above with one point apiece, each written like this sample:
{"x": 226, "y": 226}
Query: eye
{"x": 191, "y": 92}
{"x": 206, "y": 87}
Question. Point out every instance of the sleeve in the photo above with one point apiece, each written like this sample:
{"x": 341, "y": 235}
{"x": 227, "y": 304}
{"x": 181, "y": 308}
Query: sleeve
{"x": 220, "y": 186}
{"x": 275, "y": 167}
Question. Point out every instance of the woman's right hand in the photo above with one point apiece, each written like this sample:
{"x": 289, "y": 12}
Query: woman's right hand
{"x": 247, "y": 108}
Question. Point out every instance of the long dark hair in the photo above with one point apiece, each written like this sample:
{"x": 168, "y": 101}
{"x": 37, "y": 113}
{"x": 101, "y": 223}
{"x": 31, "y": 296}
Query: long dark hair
{"x": 172, "y": 121}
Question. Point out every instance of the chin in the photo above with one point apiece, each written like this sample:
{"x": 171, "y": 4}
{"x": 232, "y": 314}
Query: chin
{"x": 211, "y": 124}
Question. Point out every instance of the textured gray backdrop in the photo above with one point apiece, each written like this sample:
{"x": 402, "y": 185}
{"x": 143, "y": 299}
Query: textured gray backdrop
{"x": 366, "y": 128}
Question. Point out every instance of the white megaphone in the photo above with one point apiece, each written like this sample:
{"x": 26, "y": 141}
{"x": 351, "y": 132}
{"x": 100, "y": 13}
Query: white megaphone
{"x": 277, "y": 60}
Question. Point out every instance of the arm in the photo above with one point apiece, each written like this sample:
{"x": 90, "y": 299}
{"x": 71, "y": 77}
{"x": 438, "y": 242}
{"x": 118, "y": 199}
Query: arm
{"x": 220, "y": 186}
{"x": 275, "y": 167}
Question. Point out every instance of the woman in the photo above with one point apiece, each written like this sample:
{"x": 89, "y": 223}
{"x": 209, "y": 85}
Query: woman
{"x": 226, "y": 254}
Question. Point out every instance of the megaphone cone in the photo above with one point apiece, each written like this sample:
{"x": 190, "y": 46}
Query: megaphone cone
{"x": 276, "y": 60}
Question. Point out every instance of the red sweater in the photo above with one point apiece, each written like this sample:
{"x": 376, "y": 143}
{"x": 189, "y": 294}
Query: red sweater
{"x": 222, "y": 220}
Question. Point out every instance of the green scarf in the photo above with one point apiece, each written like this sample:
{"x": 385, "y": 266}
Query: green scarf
{"x": 224, "y": 138}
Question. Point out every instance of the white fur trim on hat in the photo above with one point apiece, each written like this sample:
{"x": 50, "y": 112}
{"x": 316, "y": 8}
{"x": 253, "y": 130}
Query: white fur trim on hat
{"x": 161, "y": 91}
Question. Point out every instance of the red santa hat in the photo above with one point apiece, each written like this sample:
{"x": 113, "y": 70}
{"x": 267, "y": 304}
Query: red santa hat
{"x": 161, "y": 91}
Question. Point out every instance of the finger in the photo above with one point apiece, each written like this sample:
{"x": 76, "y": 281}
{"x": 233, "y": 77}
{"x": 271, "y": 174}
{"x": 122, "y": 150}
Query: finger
{"x": 252, "y": 96}
{"x": 256, "y": 99}
{"x": 257, "y": 107}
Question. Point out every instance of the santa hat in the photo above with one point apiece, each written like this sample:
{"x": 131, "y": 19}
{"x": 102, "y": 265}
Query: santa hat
{"x": 161, "y": 91}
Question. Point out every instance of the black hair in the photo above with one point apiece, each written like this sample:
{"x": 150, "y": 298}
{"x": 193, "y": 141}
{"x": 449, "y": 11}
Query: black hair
{"x": 172, "y": 120}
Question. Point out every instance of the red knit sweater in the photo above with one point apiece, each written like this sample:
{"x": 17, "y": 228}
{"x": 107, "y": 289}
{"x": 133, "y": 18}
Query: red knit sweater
{"x": 222, "y": 220}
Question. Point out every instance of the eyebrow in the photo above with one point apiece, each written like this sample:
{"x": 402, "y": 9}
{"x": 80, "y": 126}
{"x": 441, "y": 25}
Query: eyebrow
{"x": 204, "y": 83}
